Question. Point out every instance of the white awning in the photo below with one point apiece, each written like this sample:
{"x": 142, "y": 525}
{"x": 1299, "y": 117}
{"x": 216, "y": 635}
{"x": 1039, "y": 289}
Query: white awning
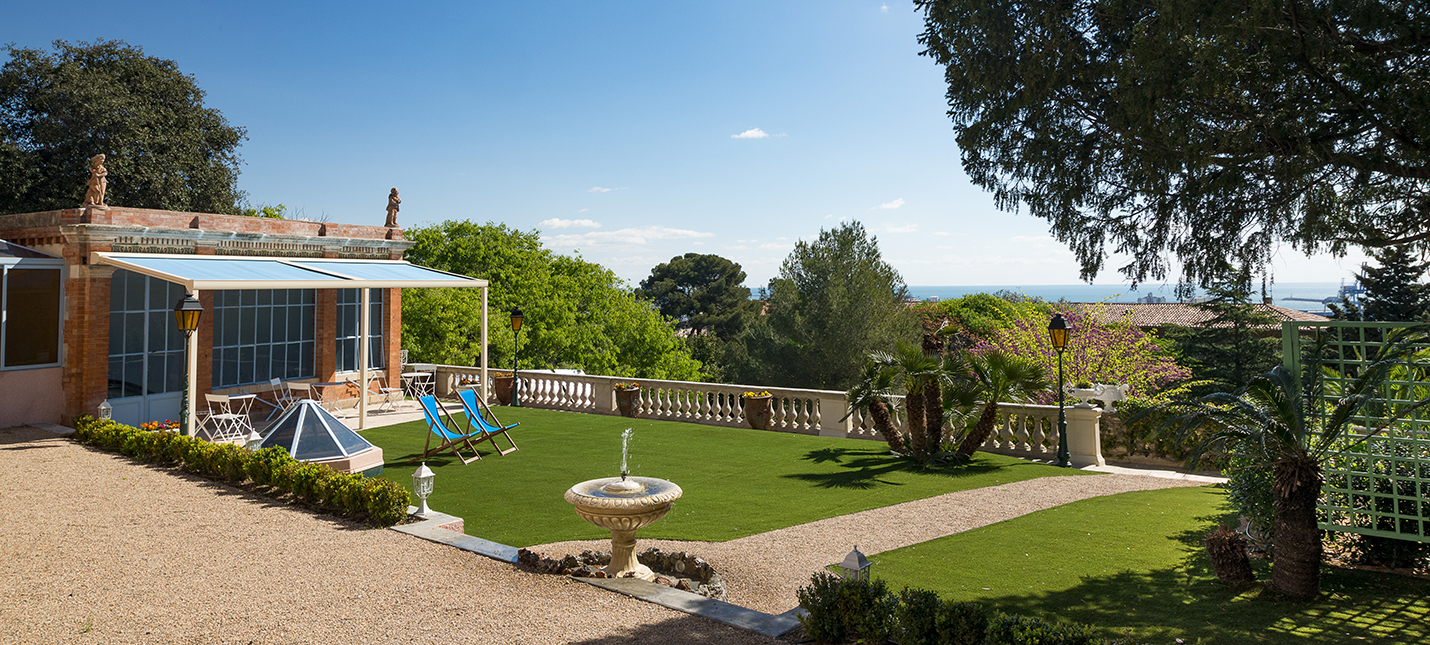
{"x": 221, "y": 272}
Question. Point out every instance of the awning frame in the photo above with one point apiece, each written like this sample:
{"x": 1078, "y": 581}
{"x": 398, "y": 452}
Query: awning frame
{"x": 330, "y": 277}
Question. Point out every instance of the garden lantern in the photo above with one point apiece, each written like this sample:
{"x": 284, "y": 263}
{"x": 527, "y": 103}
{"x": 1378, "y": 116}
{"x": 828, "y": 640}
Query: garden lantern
{"x": 422, "y": 485}
{"x": 254, "y": 441}
{"x": 1058, "y": 333}
{"x": 516, "y": 319}
{"x": 106, "y": 411}
{"x": 186, "y": 314}
{"x": 855, "y": 566}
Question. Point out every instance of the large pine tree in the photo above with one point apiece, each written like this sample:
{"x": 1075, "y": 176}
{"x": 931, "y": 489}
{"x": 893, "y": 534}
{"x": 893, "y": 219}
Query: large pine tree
{"x": 1396, "y": 290}
{"x": 1234, "y": 345}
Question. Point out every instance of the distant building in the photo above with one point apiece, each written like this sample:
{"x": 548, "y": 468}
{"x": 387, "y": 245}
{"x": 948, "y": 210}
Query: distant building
{"x": 1158, "y": 315}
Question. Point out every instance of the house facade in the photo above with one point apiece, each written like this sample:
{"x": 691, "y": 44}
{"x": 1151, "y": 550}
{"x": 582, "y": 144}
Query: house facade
{"x": 282, "y": 299}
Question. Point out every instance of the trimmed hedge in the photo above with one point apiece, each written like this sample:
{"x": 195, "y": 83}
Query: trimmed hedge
{"x": 379, "y": 502}
{"x": 864, "y": 611}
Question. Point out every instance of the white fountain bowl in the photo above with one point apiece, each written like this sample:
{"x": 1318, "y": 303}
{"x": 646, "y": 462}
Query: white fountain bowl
{"x": 623, "y": 513}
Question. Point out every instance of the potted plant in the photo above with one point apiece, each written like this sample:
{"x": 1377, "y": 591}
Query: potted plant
{"x": 1083, "y": 391}
{"x": 628, "y": 398}
{"x": 502, "y": 383}
{"x": 758, "y": 409}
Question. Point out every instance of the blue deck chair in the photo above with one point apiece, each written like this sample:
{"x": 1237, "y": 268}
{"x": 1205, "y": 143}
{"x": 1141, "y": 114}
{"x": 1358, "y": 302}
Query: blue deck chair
{"x": 451, "y": 439}
{"x": 488, "y": 428}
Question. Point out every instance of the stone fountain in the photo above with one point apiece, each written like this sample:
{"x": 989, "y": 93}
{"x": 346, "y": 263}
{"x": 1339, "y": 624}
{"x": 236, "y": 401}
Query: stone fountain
{"x": 623, "y": 505}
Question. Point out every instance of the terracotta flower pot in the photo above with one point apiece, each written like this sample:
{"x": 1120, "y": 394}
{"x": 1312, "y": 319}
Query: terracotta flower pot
{"x": 628, "y": 401}
{"x": 758, "y": 411}
{"x": 502, "y": 386}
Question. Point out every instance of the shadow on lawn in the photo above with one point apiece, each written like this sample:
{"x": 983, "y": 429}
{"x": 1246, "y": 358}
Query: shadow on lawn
{"x": 1188, "y": 603}
{"x": 865, "y": 467}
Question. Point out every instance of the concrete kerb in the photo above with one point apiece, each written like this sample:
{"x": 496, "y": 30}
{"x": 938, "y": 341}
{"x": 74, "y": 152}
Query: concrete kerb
{"x": 447, "y": 529}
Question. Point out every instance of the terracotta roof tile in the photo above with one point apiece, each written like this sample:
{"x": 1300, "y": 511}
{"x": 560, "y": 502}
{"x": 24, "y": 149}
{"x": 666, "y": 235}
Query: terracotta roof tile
{"x": 1161, "y": 314}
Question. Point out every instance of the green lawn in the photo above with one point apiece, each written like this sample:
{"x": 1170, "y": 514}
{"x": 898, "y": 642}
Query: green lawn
{"x": 737, "y": 482}
{"x": 1135, "y": 562}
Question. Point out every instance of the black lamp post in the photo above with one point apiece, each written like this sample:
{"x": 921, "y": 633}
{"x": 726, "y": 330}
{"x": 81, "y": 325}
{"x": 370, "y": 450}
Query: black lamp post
{"x": 516, "y": 319}
{"x": 1058, "y": 330}
{"x": 186, "y": 313}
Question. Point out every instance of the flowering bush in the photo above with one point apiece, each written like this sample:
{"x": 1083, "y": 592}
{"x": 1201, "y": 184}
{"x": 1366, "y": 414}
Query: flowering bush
{"x": 756, "y": 395}
{"x": 1097, "y": 351}
{"x": 154, "y": 426}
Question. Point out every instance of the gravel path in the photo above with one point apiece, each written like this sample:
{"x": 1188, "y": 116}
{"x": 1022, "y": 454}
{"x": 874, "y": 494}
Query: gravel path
{"x": 763, "y": 571}
{"x": 97, "y": 549}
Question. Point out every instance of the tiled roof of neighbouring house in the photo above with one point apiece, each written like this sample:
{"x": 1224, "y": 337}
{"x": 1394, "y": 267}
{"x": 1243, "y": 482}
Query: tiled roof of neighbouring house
{"x": 1162, "y": 314}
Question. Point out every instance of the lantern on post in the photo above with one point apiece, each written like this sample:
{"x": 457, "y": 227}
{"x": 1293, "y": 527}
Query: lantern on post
{"x": 1058, "y": 334}
{"x": 855, "y": 566}
{"x": 516, "y": 320}
{"x": 254, "y": 441}
{"x": 422, "y": 486}
{"x": 186, "y": 314}
{"x": 106, "y": 411}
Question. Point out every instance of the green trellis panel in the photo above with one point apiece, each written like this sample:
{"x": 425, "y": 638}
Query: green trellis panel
{"x": 1379, "y": 486}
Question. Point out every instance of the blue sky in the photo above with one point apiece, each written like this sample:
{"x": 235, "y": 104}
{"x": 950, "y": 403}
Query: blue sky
{"x": 631, "y": 132}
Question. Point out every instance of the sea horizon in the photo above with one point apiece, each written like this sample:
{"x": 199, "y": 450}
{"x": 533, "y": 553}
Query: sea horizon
{"x": 1303, "y": 296}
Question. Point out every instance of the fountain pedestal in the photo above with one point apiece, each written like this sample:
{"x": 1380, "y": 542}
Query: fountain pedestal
{"x": 623, "y": 506}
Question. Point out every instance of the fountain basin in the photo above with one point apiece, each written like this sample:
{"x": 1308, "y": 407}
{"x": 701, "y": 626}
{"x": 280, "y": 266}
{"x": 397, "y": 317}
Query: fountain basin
{"x": 613, "y": 504}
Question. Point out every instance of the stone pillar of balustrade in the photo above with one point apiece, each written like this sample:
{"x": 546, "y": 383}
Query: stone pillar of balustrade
{"x": 441, "y": 382}
{"x": 1085, "y": 436}
{"x": 831, "y": 410}
{"x": 603, "y": 393}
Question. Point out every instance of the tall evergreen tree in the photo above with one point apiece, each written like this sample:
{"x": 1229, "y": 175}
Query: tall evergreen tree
{"x": 1396, "y": 290}
{"x": 1235, "y": 345}
{"x": 834, "y": 301}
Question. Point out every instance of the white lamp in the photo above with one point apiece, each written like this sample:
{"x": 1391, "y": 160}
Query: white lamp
{"x": 855, "y": 566}
{"x": 106, "y": 411}
{"x": 254, "y": 441}
{"x": 422, "y": 485}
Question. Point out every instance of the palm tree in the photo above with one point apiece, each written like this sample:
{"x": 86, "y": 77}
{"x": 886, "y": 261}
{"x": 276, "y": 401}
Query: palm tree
{"x": 933, "y": 388}
{"x": 991, "y": 377}
{"x": 871, "y": 394}
{"x": 1275, "y": 425}
{"x": 916, "y": 370}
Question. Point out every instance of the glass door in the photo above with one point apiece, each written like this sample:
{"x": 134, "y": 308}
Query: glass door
{"x": 146, "y": 349}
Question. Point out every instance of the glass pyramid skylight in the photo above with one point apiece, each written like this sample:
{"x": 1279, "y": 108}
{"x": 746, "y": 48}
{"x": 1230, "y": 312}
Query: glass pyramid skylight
{"x": 311, "y": 433}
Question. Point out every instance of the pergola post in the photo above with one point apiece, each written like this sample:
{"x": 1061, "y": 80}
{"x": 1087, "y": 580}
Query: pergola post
{"x": 486, "y": 387}
{"x": 363, "y": 324}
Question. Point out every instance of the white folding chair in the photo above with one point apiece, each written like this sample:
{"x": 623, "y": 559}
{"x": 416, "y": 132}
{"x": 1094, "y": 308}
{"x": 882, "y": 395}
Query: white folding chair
{"x": 391, "y": 396}
{"x": 223, "y": 422}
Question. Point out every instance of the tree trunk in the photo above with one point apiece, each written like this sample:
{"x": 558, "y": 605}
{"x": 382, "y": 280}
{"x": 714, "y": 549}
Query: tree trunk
{"x": 885, "y": 425}
{"x": 1296, "y": 565}
{"x": 914, "y": 423}
{"x": 980, "y": 431}
{"x": 933, "y": 415}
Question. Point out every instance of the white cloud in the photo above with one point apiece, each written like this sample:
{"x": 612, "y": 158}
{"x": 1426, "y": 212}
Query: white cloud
{"x": 884, "y": 8}
{"x": 583, "y": 210}
{"x": 903, "y": 229}
{"x": 625, "y": 236}
{"x": 598, "y": 189}
{"x": 754, "y": 133}
{"x": 557, "y": 222}
{"x": 940, "y": 232}
{"x": 891, "y": 205}
{"x": 777, "y": 245}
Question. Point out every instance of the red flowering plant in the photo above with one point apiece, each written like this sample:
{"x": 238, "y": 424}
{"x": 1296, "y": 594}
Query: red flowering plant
{"x": 156, "y": 426}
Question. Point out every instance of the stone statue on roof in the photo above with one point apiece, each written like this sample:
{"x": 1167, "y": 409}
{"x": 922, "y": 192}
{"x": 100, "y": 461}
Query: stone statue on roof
{"x": 392, "y": 207}
{"x": 94, "y": 195}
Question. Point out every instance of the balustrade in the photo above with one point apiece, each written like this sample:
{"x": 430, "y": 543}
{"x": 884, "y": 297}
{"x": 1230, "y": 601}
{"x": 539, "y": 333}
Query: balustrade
{"x": 1022, "y": 430}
